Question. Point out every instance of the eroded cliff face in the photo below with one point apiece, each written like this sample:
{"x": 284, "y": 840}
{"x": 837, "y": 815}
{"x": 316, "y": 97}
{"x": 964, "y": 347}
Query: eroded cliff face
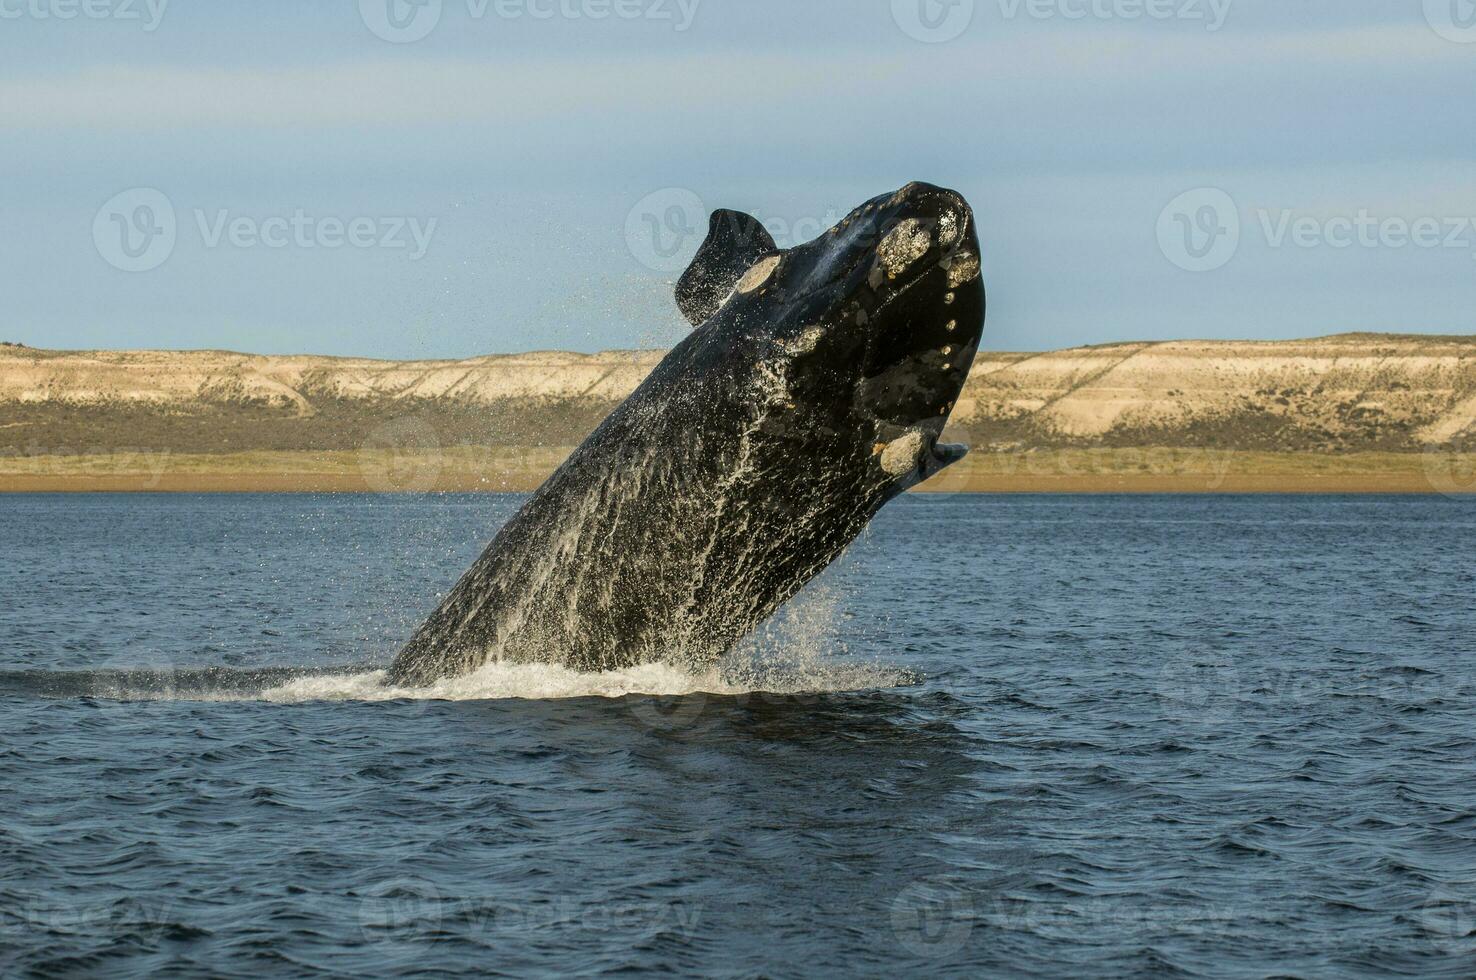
{"x": 1342, "y": 393}
{"x": 217, "y": 401}
{"x": 213, "y": 378}
{"x": 1355, "y": 391}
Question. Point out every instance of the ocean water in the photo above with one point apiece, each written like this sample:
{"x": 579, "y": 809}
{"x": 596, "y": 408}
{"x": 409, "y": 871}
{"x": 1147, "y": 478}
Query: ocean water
{"x": 1059, "y": 736}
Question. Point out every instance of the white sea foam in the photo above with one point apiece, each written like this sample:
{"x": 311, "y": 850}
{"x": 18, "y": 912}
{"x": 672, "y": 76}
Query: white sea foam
{"x": 798, "y": 652}
{"x": 504, "y": 680}
{"x": 549, "y": 681}
{"x": 794, "y": 654}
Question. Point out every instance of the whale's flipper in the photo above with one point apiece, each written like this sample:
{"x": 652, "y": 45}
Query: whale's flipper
{"x": 735, "y": 241}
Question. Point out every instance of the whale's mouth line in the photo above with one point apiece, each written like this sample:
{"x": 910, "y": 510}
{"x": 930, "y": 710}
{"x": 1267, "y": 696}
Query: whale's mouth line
{"x": 940, "y": 455}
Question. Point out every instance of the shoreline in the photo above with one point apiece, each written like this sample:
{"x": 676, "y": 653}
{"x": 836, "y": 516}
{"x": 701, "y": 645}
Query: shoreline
{"x": 515, "y": 470}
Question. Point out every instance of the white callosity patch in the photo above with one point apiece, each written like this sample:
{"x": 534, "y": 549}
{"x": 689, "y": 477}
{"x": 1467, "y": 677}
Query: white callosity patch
{"x": 807, "y": 341}
{"x": 903, "y": 245}
{"x": 948, "y": 229}
{"x": 963, "y": 268}
{"x": 900, "y": 455}
{"x": 758, "y": 274}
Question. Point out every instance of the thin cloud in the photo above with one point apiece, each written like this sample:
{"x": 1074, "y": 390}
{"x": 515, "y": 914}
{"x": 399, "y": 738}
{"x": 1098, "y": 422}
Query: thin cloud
{"x": 418, "y": 92}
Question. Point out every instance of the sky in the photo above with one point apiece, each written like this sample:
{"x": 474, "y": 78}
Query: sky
{"x": 450, "y": 178}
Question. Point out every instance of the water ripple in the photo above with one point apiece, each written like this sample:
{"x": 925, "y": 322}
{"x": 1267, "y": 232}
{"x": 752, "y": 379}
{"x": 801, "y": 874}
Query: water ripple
{"x": 1037, "y": 735}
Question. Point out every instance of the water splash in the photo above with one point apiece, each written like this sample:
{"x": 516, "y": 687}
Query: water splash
{"x": 795, "y": 653}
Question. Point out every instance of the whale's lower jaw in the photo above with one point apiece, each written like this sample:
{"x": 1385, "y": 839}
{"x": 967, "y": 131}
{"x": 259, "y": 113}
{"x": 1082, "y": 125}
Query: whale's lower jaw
{"x": 948, "y": 453}
{"x": 942, "y": 456}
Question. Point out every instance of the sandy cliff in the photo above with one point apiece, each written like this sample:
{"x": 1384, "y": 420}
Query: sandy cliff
{"x": 1348, "y": 393}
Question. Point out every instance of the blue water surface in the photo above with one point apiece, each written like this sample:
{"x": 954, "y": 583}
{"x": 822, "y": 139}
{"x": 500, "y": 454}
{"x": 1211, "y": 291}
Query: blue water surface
{"x": 1131, "y": 736}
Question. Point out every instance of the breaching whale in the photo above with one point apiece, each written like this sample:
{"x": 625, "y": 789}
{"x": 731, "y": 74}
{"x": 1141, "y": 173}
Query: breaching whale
{"x": 812, "y": 390}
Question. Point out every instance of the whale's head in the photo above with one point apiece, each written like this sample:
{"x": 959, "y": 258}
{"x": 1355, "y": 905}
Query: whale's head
{"x": 869, "y": 329}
